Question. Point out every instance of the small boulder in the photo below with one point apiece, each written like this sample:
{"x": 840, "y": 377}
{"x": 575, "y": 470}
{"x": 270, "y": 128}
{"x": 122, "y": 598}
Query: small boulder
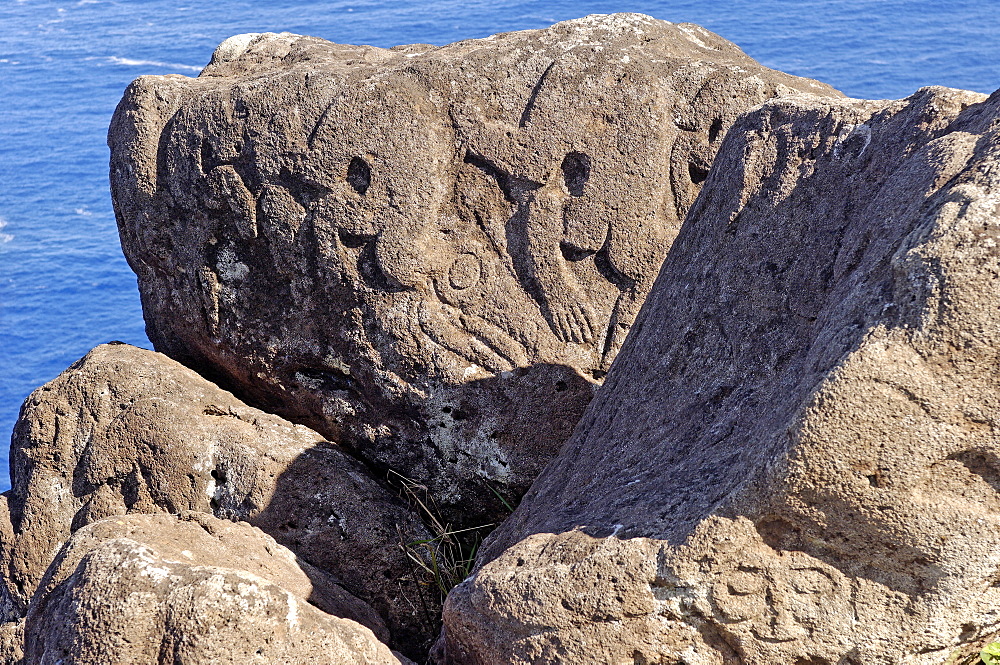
{"x": 125, "y": 430}
{"x": 163, "y": 589}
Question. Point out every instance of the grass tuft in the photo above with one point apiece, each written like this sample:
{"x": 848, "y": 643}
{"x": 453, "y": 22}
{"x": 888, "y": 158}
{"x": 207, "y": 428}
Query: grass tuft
{"x": 448, "y": 556}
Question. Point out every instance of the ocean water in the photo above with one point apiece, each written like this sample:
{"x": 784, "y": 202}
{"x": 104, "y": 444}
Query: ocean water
{"x": 64, "y": 285}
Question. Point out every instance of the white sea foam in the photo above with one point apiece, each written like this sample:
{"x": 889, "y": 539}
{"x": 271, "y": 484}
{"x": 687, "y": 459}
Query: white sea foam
{"x": 83, "y": 212}
{"x": 4, "y": 237}
{"x": 130, "y": 62}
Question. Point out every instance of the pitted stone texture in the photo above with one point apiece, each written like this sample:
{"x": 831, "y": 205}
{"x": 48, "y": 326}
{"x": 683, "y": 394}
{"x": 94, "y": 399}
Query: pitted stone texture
{"x": 12, "y": 643}
{"x": 125, "y": 430}
{"x": 430, "y": 255}
{"x": 804, "y": 420}
{"x": 191, "y": 588}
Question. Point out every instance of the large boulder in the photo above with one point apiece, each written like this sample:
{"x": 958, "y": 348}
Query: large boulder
{"x": 125, "y": 430}
{"x": 191, "y": 588}
{"x": 795, "y": 457}
{"x": 429, "y": 255}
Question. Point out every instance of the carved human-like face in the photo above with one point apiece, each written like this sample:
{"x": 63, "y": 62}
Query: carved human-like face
{"x": 773, "y": 605}
{"x": 777, "y": 599}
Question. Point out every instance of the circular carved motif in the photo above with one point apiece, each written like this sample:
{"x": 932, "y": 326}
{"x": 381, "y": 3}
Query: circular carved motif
{"x": 465, "y": 271}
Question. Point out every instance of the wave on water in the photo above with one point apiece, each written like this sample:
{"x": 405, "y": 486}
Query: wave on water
{"x": 151, "y": 63}
{"x": 4, "y": 237}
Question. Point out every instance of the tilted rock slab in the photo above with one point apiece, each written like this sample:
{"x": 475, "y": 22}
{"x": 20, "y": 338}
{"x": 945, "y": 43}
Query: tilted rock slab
{"x": 430, "y": 255}
{"x": 795, "y": 457}
{"x": 164, "y": 589}
{"x": 125, "y": 430}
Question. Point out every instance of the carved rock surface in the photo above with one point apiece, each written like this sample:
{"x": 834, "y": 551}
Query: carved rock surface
{"x": 125, "y": 430}
{"x": 795, "y": 457}
{"x": 430, "y": 255}
{"x": 188, "y": 588}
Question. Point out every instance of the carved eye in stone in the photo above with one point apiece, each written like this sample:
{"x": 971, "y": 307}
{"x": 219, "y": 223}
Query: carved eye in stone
{"x": 741, "y": 595}
{"x": 576, "y": 172}
{"x": 812, "y": 581}
{"x": 359, "y": 175}
{"x": 745, "y": 584}
{"x": 715, "y": 131}
{"x": 465, "y": 271}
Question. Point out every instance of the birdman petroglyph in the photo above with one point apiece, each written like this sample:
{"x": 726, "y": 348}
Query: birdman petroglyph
{"x": 430, "y": 255}
{"x": 797, "y": 452}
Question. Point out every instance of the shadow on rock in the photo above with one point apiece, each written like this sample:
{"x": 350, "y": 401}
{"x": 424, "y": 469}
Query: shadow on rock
{"x": 329, "y": 511}
{"x": 793, "y": 458}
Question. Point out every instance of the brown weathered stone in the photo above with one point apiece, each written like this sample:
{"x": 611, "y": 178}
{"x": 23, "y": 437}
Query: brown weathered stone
{"x": 164, "y": 589}
{"x": 430, "y": 255}
{"x": 795, "y": 457}
{"x": 12, "y": 642}
{"x": 126, "y": 430}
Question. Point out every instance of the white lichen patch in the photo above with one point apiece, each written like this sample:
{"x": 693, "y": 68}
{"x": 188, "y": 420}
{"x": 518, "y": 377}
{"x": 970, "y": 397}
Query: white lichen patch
{"x": 237, "y": 45}
{"x": 476, "y": 454}
{"x": 293, "y": 611}
{"x": 146, "y": 561}
{"x": 692, "y": 35}
{"x": 229, "y": 267}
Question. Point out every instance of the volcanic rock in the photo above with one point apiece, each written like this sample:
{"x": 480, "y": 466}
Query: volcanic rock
{"x": 12, "y": 642}
{"x": 191, "y": 588}
{"x": 125, "y": 430}
{"x": 430, "y": 255}
{"x": 795, "y": 457}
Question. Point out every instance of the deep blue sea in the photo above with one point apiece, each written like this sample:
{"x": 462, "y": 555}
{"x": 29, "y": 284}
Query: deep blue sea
{"x": 64, "y": 285}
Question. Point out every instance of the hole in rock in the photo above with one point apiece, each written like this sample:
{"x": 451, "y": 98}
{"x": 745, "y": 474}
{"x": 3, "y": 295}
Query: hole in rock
{"x": 721, "y": 393}
{"x": 697, "y": 173}
{"x": 576, "y": 172}
{"x": 779, "y": 533}
{"x": 571, "y": 253}
{"x": 208, "y": 160}
{"x": 854, "y": 145}
{"x": 359, "y": 175}
{"x": 328, "y": 379}
{"x": 715, "y": 130}
{"x": 353, "y": 240}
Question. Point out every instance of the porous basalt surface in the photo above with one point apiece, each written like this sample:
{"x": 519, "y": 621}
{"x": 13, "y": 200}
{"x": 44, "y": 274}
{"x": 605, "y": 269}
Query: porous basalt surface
{"x": 794, "y": 458}
{"x": 429, "y": 255}
{"x": 191, "y": 588}
{"x": 125, "y": 430}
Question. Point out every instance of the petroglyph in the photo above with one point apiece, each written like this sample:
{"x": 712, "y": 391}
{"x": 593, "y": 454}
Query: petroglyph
{"x": 476, "y": 224}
